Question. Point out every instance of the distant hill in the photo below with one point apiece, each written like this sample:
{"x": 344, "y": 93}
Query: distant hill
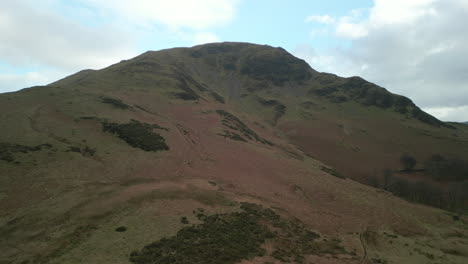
{"x": 224, "y": 153}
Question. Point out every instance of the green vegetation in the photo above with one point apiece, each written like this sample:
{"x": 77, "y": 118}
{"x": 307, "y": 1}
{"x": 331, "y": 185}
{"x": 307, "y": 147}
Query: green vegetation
{"x": 188, "y": 94}
{"x": 369, "y": 94}
{"x": 232, "y": 237}
{"x": 451, "y": 171}
{"x": 378, "y": 261}
{"x": 218, "y": 97}
{"x": 333, "y": 172}
{"x": 185, "y": 82}
{"x": 232, "y": 135}
{"x": 7, "y": 150}
{"x": 89, "y": 118}
{"x": 276, "y": 66}
{"x": 447, "y": 169}
{"x": 84, "y": 151}
{"x": 232, "y": 122}
{"x": 184, "y": 220}
{"x": 223, "y": 238}
{"x": 408, "y": 162}
{"x": 278, "y": 108}
{"x": 451, "y": 197}
{"x": 138, "y": 135}
{"x": 121, "y": 229}
{"x": 427, "y": 118}
{"x": 213, "y": 49}
{"x": 144, "y": 65}
{"x": 117, "y": 103}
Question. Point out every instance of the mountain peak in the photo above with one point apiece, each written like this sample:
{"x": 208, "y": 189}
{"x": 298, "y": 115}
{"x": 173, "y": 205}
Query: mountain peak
{"x": 260, "y": 62}
{"x": 172, "y": 144}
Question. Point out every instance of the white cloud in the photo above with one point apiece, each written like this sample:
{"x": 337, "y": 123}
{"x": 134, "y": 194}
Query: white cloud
{"x": 351, "y": 30}
{"x": 325, "y": 19}
{"x": 198, "y": 15}
{"x": 400, "y": 11}
{"x": 10, "y": 82}
{"x": 31, "y": 36}
{"x": 67, "y": 36}
{"x": 457, "y": 114}
{"x": 205, "y": 37}
{"x": 415, "y": 48}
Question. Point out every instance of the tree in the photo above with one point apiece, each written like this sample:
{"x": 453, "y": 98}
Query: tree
{"x": 436, "y": 166}
{"x": 387, "y": 177}
{"x": 408, "y": 162}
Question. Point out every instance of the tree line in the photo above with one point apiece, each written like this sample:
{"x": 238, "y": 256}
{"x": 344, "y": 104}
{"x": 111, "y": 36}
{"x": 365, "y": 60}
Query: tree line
{"x": 448, "y": 190}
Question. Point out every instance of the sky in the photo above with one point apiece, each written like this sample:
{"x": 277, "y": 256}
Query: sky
{"x": 416, "y": 48}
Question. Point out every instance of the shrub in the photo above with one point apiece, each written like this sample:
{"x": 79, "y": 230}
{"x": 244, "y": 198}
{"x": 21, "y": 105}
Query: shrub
{"x": 446, "y": 169}
{"x": 117, "y": 103}
{"x": 234, "y": 123}
{"x": 121, "y": 229}
{"x": 225, "y": 238}
{"x": 233, "y": 237}
{"x": 278, "y": 108}
{"x": 233, "y": 136}
{"x": 218, "y": 97}
{"x": 138, "y": 135}
{"x": 332, "y": 172}
{"x": 184, "y": 220}
{"x": 408, "y": 162}
{"x": 7, "y": 150}
{"x": 185, "y": 82}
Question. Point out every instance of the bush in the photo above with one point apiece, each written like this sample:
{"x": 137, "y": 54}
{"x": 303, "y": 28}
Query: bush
{"x": 332, "y": 172}
{"x": 446, "y": 169}
{"x": 225, "y": 238}
{"x": 7, "y": 150}
{"x": 233, "y": 136}
{"x": 117, "y": 103}
{"x": 218, "y": 97}
{"x": 408, "y": 162}
{"x": 454, "y": 197}
{"x": 121, "y": 229}
{"x": 138, "y": 135}
{"x": 233, "y": 237}
{"x": 234, "y": 123}
{"x": 184, "y": 220}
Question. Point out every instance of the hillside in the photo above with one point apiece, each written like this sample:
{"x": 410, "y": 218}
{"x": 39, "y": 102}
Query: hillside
{"x": 227, "y": 136}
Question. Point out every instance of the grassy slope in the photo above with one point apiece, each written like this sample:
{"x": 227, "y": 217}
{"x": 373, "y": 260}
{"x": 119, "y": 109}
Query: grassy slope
{"x": 61, "y": 206}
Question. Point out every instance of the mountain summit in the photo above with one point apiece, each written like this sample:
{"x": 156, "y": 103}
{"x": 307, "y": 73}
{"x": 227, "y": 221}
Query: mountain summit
{"x": 221, "y": 153}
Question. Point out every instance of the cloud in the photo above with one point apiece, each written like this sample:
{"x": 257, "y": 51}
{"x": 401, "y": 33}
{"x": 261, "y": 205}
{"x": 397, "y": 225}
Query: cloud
{"x": 198, "y": 15}
{"x": 33, "y": 36}
{"x": 67, "y": 36}
{"x": 325, "y": 19}
{"x": 457, "y": 114}
{"x": 38, "y": 45}
{"x": 415, "y": 48}
{"x": 350, "y": 30}
{"x": 205, "y": 37}
{"x": 10, "y": 82}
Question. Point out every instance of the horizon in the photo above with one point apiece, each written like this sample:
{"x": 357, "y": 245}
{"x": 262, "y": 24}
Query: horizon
{"x": 423, "y": 40}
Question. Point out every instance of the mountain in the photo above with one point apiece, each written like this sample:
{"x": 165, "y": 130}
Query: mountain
{"x": 232, "y": 152}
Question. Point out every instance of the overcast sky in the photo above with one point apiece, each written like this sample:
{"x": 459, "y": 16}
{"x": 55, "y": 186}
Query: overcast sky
{"x": 417, "y": 48}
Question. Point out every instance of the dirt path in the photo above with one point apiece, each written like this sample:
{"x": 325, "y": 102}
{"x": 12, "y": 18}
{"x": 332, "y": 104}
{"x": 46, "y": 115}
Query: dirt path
{"x": 364, "y": 249}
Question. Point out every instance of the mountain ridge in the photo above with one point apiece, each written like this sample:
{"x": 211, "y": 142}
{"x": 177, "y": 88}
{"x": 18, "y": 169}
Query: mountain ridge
{"x": 334, "y": 88}
{"x": 100, "y": 166}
